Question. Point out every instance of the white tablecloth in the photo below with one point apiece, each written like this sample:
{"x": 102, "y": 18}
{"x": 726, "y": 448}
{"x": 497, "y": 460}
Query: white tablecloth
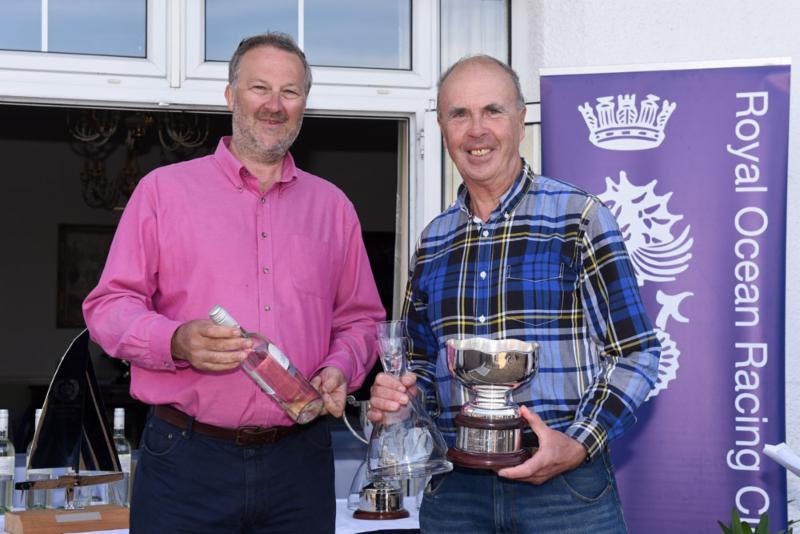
{"x": 345, "y": 524}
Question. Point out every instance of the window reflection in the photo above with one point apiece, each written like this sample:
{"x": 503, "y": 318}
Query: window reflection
{"x": 229, "y": 21}
{"x": 20, "y": 25}
{"x": 97, "y": 27}
{"x": 117, "y": 28}
{"x": 358, "y": 33}
{"x": 341, "y": 33}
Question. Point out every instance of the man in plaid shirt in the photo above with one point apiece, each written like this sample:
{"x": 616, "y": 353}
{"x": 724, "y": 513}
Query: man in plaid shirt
{"x": 531, "y": 258}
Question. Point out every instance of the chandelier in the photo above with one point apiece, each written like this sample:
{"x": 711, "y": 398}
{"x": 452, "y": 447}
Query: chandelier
{"x": 96, "y": 134}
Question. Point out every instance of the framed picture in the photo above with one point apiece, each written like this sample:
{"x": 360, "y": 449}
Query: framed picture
{"x": 82, "y": 252}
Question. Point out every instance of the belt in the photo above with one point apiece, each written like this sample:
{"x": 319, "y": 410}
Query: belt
{"x": 244, "y": 436}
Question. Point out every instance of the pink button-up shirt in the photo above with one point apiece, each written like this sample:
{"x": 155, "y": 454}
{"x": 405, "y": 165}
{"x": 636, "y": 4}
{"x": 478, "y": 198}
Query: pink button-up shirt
{"x": 289, "y": 263}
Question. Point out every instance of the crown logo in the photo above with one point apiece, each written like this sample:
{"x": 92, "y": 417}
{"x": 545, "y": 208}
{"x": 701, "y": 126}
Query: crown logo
{"x": 620, "y": 126}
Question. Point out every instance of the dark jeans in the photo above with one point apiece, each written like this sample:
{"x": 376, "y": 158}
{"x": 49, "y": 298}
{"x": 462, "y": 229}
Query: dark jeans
{"x": 189, "y": 483}
{"x": 583, "y": 500}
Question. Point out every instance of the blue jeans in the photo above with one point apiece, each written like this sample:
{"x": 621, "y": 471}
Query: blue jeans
{"x": 189, "y": 483}
{"x": 471, "y": 501}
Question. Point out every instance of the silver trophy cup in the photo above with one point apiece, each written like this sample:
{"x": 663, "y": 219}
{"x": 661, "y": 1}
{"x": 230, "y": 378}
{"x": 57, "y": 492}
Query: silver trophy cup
{"x": 490, "y": 426}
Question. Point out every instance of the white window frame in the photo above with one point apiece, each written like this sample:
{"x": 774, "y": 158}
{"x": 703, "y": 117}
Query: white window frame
{"x": 26, "y": 76}
{"x": 424, "y": 13}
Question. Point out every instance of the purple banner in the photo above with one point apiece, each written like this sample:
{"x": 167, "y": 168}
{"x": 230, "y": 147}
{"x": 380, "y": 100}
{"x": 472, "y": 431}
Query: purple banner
{"x": 693, "y": 163}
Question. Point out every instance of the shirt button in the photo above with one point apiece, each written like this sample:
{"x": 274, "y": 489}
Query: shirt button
{"x": 240, "y": 189}
{"x": 507, "y": 215}
{"x": 263, "y": 200}
{"x": 266, "y": 270}
{"x": 266, "y": 308}
{"x": 483, "y": 275}
{"x": 264, "y": 235}
{"x": 482, "y": 319}
{"x": 485, "y": 233}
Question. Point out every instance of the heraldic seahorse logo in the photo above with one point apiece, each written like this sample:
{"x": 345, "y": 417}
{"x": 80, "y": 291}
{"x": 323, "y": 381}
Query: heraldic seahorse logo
{"x": 657, "y": 255}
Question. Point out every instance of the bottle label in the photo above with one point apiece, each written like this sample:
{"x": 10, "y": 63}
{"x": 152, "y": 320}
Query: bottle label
{"x": 39, "y": 473}
{"x": 7, "y": 465}
{"x": 125, "y": 463}
{"x": 279, "y": 356}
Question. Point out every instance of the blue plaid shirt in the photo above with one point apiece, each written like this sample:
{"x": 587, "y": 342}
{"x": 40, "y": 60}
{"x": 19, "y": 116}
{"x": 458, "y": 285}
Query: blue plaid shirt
{"x": 548, "y": 266}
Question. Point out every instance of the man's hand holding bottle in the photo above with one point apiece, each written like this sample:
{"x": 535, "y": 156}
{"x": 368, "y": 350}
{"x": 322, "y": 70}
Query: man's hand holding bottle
{"x": 210, "y": 347}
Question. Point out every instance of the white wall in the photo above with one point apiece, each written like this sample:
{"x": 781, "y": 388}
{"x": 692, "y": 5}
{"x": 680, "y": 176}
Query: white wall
{"x": 569, "y": 33}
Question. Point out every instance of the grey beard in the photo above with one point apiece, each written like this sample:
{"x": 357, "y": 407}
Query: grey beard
{"x": 248, "y": 143}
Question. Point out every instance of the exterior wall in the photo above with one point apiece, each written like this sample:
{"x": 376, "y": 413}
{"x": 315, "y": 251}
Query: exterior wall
{"x": 581, "y": 33}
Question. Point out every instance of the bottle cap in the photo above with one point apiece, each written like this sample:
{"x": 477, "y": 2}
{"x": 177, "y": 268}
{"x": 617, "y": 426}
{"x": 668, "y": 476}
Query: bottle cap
{"x": 119, "y": 418}
{"x": 220, "y": 316}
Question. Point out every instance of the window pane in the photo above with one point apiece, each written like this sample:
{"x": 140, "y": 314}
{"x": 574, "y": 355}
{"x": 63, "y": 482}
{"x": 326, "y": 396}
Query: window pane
{"x": 20, "y": 25}
{"x": 358, "y": 33}
{"x": 473, "y": 27}
{"x": 230, "y": 21}
{"x": 99, "y": 27}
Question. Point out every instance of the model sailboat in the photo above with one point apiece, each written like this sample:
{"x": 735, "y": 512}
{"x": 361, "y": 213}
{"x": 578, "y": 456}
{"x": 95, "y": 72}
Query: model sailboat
{"x": 73, "y": 432}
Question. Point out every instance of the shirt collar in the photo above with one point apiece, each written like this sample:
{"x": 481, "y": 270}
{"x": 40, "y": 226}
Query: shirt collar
{"x": 236, "y": 172}
{"x": 510, "y": 199}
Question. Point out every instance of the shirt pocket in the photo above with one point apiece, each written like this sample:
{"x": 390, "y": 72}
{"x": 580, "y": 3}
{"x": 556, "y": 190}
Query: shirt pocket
{"x": 312, "y": 267}
{"x": 536, "y": 290}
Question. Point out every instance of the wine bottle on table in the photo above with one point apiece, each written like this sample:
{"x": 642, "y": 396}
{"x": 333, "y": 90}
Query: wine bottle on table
{"x": 269, "y": 367}
{"x": 6, "y": 465}
{"x": 119, "y": 491}
{"x": 36, "y": 499}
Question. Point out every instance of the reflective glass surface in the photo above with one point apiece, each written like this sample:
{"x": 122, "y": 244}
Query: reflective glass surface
{"x": 229, "y": 21}
{"x": 358, "y": 33}
{"x": 20, "y": 25}
{"x": 100, "y": 27}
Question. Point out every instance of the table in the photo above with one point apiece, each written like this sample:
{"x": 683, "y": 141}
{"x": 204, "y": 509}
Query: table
{"x": 345, "y": 524}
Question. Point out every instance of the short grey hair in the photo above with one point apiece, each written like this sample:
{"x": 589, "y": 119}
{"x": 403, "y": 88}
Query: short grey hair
{"x": 279, "y": 40}
{"x": 483, "y": 58}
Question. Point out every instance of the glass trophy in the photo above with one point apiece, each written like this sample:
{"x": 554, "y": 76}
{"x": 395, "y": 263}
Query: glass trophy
{"x": 405, "y": 444}
{"x": 367, "y": 499}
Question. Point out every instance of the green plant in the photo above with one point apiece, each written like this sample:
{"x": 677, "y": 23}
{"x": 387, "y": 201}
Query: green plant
{"x": 738, "y": 526}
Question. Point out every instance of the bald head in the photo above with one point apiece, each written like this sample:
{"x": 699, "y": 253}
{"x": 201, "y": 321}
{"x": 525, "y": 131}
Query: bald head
{"x": 487, "y": 61}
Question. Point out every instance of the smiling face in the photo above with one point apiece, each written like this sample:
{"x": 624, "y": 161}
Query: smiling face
{"x": 267, "y": 101}
{"x": 482, "y": 124}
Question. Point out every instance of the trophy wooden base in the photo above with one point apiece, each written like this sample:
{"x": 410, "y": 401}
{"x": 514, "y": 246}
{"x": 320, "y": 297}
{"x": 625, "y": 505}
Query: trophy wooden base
{"x": 488, "y": 443}
{"x": 395, "y": 514}
{"x": 486, "y": 460}
{"x": 57, "y": 521}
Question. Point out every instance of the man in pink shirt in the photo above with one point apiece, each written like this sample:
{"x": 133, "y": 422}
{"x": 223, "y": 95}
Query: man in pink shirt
{"x": 282, "y": 251}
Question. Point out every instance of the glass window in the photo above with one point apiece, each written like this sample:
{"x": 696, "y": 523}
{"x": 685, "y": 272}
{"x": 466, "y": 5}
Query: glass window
{"x": 229, "y": 21}
{"x": 344, "y": 33}
{"x": 21, "y": 25}
{"x": 473, "y": 27}
{"x": 96, "y": 27}
{"x": 358, "y": 33}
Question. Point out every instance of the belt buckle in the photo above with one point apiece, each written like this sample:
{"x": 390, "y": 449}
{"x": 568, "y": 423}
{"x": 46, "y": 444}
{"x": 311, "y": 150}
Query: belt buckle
{"x": 247, "y": 435}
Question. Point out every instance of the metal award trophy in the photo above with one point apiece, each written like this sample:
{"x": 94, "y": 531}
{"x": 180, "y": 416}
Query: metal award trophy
{"x": 405, "y": 444}
{"x": 490, "y": 426}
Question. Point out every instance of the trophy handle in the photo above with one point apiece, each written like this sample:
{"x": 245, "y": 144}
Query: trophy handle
{"x": 351, "y": 400}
